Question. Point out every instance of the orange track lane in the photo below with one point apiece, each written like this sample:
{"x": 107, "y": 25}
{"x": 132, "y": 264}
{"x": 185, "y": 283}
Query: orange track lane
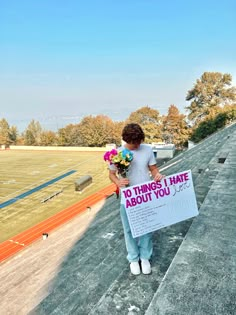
{"x": 18, "y": 242}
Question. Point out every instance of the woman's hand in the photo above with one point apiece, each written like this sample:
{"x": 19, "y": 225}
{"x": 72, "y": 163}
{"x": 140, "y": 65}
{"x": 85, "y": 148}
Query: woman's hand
{"x": 120, "y": 182}
{"x": 155, "y": 173}
{"x": 123, "y": 182}
{"x": 158, "y": 177}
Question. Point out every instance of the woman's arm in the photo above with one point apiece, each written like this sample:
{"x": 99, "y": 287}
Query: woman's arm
{"x": 155, "y": 173}
{"x": 120, "y": 182}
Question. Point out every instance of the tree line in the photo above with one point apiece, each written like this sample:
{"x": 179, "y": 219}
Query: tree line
{"x": 212, "y": 106}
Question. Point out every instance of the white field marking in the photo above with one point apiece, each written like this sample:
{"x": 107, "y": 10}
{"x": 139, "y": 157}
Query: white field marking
{"x": 52, "y": 165}
{"x": 31, "y": 186}
{"x": 41, "y": 193}
{"x": 11, "y": 181}
{"x": 46, "y": 179}
{"x": 38, "y": 195}
{"x": 77, "y": 165}
{"x": 12, "y": 241}
{"x": 34, "y": 172}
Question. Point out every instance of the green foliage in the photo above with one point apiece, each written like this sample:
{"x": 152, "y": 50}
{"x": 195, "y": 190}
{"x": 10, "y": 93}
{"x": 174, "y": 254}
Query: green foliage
{"x": 32, "y": 133}
{"x": 212, "y": 123}
{"x": 13, "y": 134}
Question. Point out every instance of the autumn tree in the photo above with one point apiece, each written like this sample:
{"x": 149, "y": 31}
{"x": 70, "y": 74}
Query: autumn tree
{"x": 20, "y": 139}
{"x": 116, "y": 132}
{"x": 175, "y": 128}
{"x": 150, "y": 121}
{"x": 32, "y": 133}
{"x": 97, "y": 131}
{"x": 70, "y": 136}
{"x": 5, "y": 133}
{"x": 48, "y": 138}
{"x": 211, "y": 91}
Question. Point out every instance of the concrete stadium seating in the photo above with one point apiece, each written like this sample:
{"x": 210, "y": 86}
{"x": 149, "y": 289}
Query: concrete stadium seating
{"x": 193, "y": 262}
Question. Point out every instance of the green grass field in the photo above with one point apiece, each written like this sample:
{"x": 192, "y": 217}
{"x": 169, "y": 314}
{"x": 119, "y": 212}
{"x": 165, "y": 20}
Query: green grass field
{"x": 25, "y": 170}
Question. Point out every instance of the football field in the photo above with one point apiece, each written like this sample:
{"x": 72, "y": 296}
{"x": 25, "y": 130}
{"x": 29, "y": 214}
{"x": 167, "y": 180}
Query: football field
{"x": 34, "y": 185}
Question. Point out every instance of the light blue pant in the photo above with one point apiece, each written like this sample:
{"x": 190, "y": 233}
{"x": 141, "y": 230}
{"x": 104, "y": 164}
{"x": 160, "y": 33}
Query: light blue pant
{"x": 137, "y": 248}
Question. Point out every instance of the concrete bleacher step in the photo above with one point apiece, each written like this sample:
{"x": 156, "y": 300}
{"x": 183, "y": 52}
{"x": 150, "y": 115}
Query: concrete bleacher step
{"x": 124, "y": 291}
{"x": 94, "y": 249}
{"x": 201, "y": 278}
{"x": 135, "y": 293}
{"x": 97, "y": 265}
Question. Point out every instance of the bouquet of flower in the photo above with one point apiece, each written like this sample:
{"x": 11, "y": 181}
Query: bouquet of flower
{"x": 121, "y": 159}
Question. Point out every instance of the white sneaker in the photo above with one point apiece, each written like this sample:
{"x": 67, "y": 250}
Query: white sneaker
{"x": 146, "y": 266}
{"x": 135, "y": 268}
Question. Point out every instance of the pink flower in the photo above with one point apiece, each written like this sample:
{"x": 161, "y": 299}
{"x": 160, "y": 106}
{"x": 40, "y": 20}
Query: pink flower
{"x": 109, "y": 155}
{"x": 121, "y": 160}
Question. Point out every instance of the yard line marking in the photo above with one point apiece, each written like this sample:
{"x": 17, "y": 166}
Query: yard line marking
{"x": 33, "y": 190}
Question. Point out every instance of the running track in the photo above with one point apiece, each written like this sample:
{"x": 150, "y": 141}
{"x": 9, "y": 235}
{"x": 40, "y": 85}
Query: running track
{"x": 20, "y": 241}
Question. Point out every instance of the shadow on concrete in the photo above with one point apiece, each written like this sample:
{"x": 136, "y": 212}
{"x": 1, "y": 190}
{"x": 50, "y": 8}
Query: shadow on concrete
{"x": 95, "y": 276}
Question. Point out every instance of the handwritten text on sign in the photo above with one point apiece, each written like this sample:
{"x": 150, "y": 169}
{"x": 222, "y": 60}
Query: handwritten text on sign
{"x": 153, "y": 205}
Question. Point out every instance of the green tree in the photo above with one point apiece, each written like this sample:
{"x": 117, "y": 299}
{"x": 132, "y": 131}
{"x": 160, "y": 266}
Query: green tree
{"x": 5, "y": 137}
{"x": 212, "y": 90}
{"x": 214, "y": 122}
{"x": 13, "y": 133}
{"x": 32, "y": 133}
{"x": 150, "y": 121}
{"x": 230, "y": 111}
{"x": 175, "y": 128}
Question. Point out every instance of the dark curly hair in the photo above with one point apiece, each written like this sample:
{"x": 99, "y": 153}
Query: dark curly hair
{"x": 133, "y": 133}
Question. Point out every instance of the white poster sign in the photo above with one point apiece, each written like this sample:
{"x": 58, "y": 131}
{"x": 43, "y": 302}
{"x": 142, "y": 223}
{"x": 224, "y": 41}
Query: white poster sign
{"x": 152, "y": 205}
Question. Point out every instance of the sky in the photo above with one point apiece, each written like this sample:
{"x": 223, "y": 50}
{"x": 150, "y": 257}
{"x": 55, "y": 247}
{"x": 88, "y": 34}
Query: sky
{"x": 63, "y": 60}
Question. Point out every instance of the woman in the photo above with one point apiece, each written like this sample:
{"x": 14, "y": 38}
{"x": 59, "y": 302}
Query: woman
{"x": 143, "y": 163}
